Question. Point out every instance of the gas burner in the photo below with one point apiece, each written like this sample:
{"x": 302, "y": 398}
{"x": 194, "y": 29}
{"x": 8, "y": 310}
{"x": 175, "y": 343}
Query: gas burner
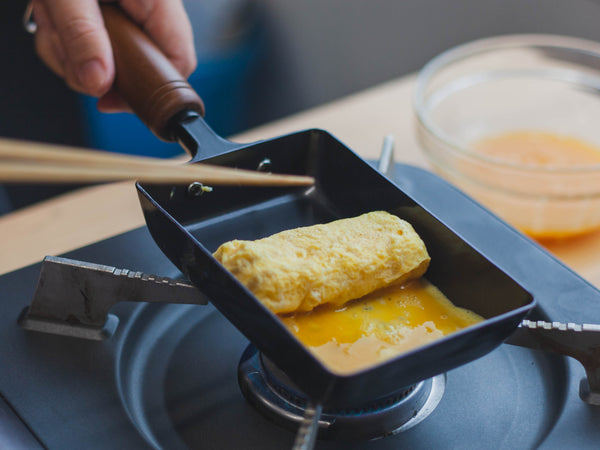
{"x": 274, "y": 395}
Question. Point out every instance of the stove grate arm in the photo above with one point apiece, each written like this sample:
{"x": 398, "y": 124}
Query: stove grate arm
{"x": 581, "y": 342}
{"x": 73, "y": 298}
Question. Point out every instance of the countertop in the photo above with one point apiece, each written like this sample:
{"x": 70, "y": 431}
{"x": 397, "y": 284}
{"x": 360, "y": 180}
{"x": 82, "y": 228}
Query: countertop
{"x": 361, "y": 121}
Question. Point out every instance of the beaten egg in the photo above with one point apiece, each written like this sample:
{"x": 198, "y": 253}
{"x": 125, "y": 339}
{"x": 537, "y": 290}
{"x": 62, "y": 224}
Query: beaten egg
{"x": 541, "y": 149}
{"x": 378, "y": 326}
{"x": 552, "y": 217}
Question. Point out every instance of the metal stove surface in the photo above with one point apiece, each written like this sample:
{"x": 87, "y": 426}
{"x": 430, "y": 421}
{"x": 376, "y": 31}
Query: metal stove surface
{"x": 168, "y": 377}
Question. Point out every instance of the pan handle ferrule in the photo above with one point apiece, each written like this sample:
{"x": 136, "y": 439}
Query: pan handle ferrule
{"x": 198, "y": 138}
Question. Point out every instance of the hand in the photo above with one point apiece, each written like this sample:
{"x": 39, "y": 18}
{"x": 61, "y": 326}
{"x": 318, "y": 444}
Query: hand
{"x": 73, "y": 43}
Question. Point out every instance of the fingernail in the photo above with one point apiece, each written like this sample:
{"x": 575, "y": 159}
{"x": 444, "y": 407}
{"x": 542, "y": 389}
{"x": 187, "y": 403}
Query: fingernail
{"x": 92, "y": 77}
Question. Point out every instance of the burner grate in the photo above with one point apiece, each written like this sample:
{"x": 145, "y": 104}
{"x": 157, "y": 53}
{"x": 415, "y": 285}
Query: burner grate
{"x": 272, "y": 394}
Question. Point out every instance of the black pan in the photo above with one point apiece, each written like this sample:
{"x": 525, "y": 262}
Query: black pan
{"x": 188, "y": 228}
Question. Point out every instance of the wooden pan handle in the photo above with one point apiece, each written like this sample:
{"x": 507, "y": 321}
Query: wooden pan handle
{"x": 153, "y": 88}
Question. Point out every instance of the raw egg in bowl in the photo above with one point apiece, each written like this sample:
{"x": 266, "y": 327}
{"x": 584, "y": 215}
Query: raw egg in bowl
{"x": 514, "y": 122}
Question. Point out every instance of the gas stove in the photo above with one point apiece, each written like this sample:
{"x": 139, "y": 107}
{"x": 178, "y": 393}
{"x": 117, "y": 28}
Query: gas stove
{"x": 179, "y": 376}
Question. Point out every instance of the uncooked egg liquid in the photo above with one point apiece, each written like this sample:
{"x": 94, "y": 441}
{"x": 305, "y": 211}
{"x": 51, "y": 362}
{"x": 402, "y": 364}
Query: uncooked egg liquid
{"x": 541, "y": 149}
{"x": 378, "y": 326}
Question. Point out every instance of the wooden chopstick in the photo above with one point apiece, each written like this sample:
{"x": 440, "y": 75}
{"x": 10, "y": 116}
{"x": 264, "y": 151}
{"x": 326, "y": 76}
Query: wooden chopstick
{"x": 33, "y": 162}
{"x": 29, "y": 151}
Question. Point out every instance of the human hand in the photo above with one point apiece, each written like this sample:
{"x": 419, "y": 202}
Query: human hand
{"x": 72, "y": 41}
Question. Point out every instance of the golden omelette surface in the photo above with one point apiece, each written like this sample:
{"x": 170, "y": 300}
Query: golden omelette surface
{"x": 299, "y": 269}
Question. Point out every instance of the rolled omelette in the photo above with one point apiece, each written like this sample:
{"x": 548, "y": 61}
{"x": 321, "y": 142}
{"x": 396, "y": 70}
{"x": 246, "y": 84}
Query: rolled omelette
{"x": 301, "y": 268}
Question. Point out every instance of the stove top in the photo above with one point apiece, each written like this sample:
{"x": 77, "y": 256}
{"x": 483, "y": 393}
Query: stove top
{"x": 168, "y": 377}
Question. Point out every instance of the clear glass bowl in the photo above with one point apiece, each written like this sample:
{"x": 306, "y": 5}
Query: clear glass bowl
{"x": 517, "y": 83}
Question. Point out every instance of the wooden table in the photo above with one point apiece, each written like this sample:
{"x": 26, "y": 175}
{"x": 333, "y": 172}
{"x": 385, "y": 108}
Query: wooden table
{"x": 360, "y": 121}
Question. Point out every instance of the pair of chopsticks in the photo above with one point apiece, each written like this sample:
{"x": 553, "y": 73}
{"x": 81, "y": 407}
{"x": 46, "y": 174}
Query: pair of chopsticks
{"x": 29, "y": 162}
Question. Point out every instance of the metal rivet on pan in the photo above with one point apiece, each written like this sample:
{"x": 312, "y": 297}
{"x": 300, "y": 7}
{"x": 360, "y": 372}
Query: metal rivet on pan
{"x": 196, "y": 189}
{"x": 265, "y": 165}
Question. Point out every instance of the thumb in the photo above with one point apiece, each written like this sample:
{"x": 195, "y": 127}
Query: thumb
{"x": 89, "y": 66}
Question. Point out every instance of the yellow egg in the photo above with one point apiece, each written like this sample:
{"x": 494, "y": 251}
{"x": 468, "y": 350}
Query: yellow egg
{"x": 378, "y": 326}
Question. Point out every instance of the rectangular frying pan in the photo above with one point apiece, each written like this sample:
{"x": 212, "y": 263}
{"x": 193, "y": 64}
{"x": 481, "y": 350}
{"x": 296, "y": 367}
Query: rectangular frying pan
{"x": 188, "y": 227}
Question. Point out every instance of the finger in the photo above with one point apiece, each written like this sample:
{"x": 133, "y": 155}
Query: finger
{"x": 89, "y": 66}
{"x": 167, "y": 23}
{"x": 47, "y": 44}
{"x": 112, "y": 102}
{"x": 49, "y": 49}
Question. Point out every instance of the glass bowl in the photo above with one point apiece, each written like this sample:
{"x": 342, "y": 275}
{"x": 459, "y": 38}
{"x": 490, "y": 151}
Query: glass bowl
{"x": 514, "y": 121}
